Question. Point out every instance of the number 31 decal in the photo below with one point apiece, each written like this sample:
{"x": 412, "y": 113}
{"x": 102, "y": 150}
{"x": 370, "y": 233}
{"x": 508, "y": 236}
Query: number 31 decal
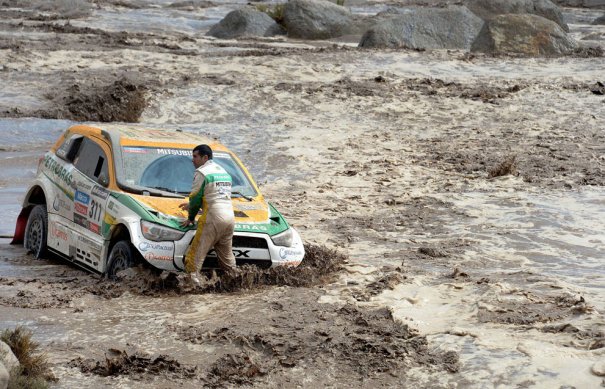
{"x": 94, "y": 212}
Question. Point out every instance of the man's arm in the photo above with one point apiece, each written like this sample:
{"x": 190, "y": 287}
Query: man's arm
{"x": 197, "y": 194}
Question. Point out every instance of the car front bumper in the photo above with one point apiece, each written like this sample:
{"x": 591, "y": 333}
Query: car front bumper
{"x": 249, "y": 248}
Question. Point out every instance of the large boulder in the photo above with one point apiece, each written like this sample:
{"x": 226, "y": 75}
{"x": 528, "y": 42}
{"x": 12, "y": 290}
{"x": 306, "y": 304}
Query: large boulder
{"x": 526, "y": 35}
{"x": 488, "y": 9}
{"x": 7, "y": 357}
{"x": 425, "y": 28}
{"x": 581, "y": 3}
{"x": 4, "y": 377}
{"x": 243, "y": 22}
{"x": 317, "y": 19}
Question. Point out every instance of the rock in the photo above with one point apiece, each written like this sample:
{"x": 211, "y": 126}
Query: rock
{"x": 598, "y": 88}
{"x": 454, "y": 27}
{"x": 245, "y": 21}
{"x": 4, "y": 377}
{"x": 7, "y": 358}
{"x": 599, "y": 20}
{"x": 581, "y": 3}
{"x": 526, "y": 35}
{"x": 317, "y": 19}
{"x": 489, "y": 9}
{"x": 598, "y": 368}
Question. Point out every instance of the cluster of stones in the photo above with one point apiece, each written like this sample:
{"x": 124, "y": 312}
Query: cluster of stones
{"x": 518, "y": 27}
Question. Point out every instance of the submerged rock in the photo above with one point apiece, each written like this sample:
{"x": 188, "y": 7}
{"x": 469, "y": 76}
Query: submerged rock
{"x": 526, "y": 35}
{"x": 425, "y": 28}
{"x": 317, "y": 19}
{"x": 489, "y": 9}
{"x": 598, "y": 368}
{"x": 245, "y": 21}
{"x": 599, "y": 20}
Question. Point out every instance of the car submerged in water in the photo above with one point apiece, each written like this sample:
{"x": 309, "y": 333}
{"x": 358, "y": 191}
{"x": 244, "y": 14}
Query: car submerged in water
{"x": 108, "y": 198}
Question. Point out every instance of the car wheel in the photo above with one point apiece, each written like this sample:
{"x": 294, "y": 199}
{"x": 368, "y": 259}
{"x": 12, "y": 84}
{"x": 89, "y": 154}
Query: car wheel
{"x": 120, "y": 258}
{"x": 36, "y": 231}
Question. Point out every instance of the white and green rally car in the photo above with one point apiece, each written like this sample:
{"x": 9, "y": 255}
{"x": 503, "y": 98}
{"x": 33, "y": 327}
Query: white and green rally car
{"x": 105, "y": 198}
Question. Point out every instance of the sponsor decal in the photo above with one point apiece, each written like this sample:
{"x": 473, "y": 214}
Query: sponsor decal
{"x": 58, "y": 233}
{"x": 84, "y": 186}
{"x": 100, "y": 192}
{"x": 94, "y": 228}
{"x": 290, "y": 263}
{"x": 109, "y": 219}
{"x": 237, "y": 253}
{"x": 157, "y": 257}
{"x": 251, "y": 227}
{"x": 285, "y": 253}
{"x": 60, "y": 203}
{"x": 112, "y": 206}
{"x": 90, "y": 243}
{"x": 249, "y": 207}
{"x": 82, "y": 197}
{"x": 164, "y": 246}
{"x": 186, "y": 153}
{"x": 57, "y": 169}
{"x": 81, "y": 208}
{"x": 81, "y": 220}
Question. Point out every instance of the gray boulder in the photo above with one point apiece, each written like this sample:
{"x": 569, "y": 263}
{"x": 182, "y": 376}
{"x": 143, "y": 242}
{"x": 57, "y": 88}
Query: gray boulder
{"x": 7, "y": 357}
{"x": 425, "y": 28}
{"x": 488, "y": 9}
{"x": 526, "y": 35}
{"x": 4, "y": 377}
{"x": 581, "y": 3}
{"x": 317, "y": 19}
{"x": 243, "y": 22}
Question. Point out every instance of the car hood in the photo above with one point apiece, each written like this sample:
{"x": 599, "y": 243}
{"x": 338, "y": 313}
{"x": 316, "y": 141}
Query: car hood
{"x": 255, "y": 211}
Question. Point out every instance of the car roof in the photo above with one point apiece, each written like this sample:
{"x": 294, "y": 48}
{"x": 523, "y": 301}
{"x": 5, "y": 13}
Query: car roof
{"x": 131, "y": 135}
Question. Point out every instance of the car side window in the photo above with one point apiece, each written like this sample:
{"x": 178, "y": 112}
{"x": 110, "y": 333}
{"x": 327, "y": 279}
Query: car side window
{"x": 91, "y": 160}
{"x": 70, "y": 147}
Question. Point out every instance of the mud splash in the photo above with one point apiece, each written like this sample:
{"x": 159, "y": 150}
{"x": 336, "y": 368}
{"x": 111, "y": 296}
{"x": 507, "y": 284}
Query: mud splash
{"x": 354, "y": 342}
{"x": 138, "y": 365}
{"x": 531, "y": 309}
{"x": 121, "y": 101}
{"x": 381, "y": 86}
{"x": 319, "y": 266}
{"x": 61, "y": 289}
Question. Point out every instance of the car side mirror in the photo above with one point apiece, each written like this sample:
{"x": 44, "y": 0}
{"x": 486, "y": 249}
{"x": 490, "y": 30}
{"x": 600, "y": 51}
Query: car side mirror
{"x": 103, "y": 180}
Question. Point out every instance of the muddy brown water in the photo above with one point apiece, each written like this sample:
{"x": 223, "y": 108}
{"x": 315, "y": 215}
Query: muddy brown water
{"x": 453, "y": 278}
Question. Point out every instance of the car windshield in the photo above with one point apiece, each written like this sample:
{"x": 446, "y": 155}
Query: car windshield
{"x": 171, "y": 170}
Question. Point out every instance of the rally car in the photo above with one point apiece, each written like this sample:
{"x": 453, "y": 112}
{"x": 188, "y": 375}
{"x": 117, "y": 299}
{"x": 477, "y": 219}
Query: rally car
{"x": 107, "y": 198}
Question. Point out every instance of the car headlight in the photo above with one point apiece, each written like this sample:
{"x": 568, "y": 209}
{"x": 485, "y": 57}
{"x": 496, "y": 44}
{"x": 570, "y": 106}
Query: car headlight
{"x": 283, "y": 239}
{"x": 157, "y": 232}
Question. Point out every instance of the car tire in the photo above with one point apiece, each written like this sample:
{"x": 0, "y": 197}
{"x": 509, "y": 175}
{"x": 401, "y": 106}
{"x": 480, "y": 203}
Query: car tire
{"x": 36, "y": 231}
{"x": 121, "y": 257}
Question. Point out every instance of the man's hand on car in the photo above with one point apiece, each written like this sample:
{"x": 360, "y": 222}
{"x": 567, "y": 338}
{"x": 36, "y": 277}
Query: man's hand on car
{"x": 186, "y": 223}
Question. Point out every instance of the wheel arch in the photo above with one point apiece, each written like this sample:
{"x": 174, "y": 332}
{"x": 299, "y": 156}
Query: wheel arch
{"x": 35, "y": 196}
{"x": 118, "y": 233}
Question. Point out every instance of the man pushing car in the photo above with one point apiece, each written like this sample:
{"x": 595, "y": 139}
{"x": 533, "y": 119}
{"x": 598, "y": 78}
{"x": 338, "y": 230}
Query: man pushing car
{"x": 211, "y": 191}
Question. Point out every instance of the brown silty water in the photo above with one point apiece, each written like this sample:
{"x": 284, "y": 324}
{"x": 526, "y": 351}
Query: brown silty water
{"x": 452, "y": 277}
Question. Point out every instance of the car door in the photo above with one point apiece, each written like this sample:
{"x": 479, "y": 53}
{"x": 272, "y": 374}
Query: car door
{"x": 90, "y": 179}
{"x": 58, "y": 168}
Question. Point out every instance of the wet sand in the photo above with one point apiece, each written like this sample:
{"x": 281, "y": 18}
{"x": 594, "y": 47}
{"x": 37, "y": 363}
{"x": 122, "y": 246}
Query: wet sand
{"x": 455, "y": 277}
